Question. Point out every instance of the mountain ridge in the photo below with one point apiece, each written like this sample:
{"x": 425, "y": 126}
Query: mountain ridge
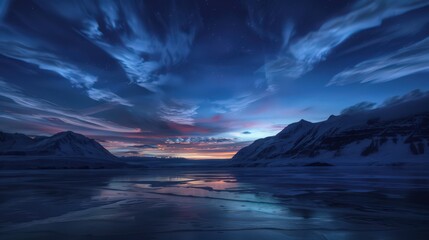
{"x": 61, "y": 150}
{"x": 389, "y": 135}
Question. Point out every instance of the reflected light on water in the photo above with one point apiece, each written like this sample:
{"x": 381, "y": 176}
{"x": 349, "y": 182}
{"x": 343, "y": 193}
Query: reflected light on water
{"x": 240, "y": 204}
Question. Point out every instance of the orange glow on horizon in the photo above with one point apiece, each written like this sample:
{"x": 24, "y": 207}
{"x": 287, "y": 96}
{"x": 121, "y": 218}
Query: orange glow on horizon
{"x": 202, "y": 156}
{"x": 194, "y": 151}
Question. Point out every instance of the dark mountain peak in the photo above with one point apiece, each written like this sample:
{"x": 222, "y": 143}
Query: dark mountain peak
{"x": 385, "y": 135}
{"x": 70, "y": 136}
{"x": 68, "y": 143}
{"x": 332, "y": 117}
{"x": 16, "y": 137}
{"x": 295, "y": 127}
{"x": 299, "y": 124}
{"x": 62, "y": 150}
{"x": 303, "y": 122}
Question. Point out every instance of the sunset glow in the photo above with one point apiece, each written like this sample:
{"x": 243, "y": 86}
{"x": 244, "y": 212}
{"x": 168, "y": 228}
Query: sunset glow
{"x": 200, "y": 79}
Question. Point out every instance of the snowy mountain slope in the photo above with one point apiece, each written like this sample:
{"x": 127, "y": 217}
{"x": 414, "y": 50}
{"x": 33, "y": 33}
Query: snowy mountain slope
{"x": 389, "y": 135}
{"x": 67, "y": 144}
{"x": 65, "y": 149}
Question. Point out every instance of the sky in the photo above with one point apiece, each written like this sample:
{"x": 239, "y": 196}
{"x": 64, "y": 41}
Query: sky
{"x": 201, "y": 79}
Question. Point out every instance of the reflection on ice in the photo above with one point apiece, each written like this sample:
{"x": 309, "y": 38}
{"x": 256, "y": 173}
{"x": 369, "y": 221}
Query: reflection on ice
{"x": 212, "y": 204}
{"x": 213, "y": 184}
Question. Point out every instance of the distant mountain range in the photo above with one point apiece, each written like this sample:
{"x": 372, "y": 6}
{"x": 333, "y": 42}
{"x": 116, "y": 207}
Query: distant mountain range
{"x": 396, "y": 134}
{"x": 62, "y": 150}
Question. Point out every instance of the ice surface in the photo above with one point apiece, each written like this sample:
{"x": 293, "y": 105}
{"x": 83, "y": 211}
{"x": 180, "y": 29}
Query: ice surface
{"x": 295, "y": 203}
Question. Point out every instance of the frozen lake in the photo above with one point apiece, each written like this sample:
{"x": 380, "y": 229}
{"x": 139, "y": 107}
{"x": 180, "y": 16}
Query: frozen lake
{"x": 290, "y": 203}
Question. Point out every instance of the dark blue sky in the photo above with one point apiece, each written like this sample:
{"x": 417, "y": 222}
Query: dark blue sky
{"x": 201, "y": 79}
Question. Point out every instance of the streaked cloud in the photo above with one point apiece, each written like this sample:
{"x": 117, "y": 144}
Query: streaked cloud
{"x": 393, "y": 32}
{"x": 190, "y": 140}
{"x": 178, "y": 112}
{"x": 240, "y": 103}
{"x": 46, "y": 114}
{"x": 413, "y": 95}
{"x": 144, "y": 55}
{"x": 366, "y": 106}
{"x": 359, "y": 107}
{"x": 208, "y": 76}
{"x": 303, "y": 53}
{"x": 404, "y": 62}
{"x": 104, "y": 95}
{"x": 143, "y": 146}
{"x": 18, "y": 48}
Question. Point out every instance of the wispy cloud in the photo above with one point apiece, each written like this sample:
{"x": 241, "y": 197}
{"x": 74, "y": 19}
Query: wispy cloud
{"x": 303, "y": 53}
{"x": 143, "y": 146}
{"x": 178, "y": 112}
{"x": 359, "y": 107}
{"x": 98, "y": 95}
{"x": 202, "y": 140}
{"x": 393, "y": 32}
{"x": 143, "y": 54}
{"x": 404, "y": 62}
{"x": 366, "y": 106}
{"x": 241, "y": 102}
{"x": 17, "y": 48}
{"x": 47, "y": 114}
{"x": 413, "y": 95}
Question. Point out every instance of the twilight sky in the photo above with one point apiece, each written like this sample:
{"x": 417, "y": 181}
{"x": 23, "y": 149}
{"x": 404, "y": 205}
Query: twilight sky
{"x": 201, "y": 79}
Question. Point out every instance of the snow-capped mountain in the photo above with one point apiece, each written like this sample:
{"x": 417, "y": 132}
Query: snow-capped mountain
{"x": 390, "y": 135}
{"x": 67, "y": 148}
{"x": 67, "y": 144}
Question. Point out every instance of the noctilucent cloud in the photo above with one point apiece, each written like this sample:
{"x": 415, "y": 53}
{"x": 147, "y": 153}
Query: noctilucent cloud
{"x": 201, "y": 79}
